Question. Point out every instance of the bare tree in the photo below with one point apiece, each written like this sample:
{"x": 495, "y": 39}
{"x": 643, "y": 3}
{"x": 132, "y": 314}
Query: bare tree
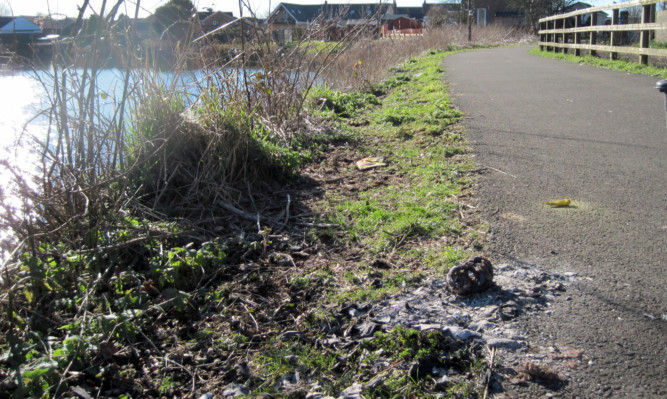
{"x": 5, "y": 8}
{"x": 536, "y": 9}
{"x": 437, "y": 16}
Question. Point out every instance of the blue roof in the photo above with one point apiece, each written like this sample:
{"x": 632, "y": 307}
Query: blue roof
{"x": 19, "y": 25}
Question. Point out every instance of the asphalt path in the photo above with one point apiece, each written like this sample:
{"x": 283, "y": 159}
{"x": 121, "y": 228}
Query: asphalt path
{"x": 548, "y": 129}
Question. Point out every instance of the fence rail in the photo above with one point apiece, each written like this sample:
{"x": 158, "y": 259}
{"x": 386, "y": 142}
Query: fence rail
{"x": 581, "y": 30}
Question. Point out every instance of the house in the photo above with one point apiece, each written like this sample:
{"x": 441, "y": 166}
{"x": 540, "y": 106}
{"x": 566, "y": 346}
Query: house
{"x": 450, "y": 11}
{"x": 232, "y": 30}
{"x": 288, "y": 14}
{"x": 18, "y": 26}
{"x": 506, "y": 18}
{"x": 288, "y": 21}
{"x": 53, "y": 26}
{"x": 400, "y": 24}
{"x": 443, "y": 13}
{"x": 18, "y": 32}
{"x": 215, "y": 20}
{"x": 499, "y": 12}
{"x": 602, "y": 16}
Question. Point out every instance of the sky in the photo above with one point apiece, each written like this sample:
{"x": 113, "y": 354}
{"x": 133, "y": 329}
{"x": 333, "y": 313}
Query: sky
{"x": 261, "y": 7}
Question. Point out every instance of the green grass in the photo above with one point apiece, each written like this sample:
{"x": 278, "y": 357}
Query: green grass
{"x": 617, "y": 65}
{"x": 318, "y": 46}
{"x": 655, "y": 44}
{"x": 333, "y": 103}
{"x": 409, "y": 131}
{"x": 407, "y": 212}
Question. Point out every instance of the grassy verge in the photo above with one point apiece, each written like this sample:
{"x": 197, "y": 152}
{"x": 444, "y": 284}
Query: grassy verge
{"x": 391, "y": 227}
{"x": 152, "y": 311}
{"x": 616, "y": 65}
{"x": 411, "y": 210}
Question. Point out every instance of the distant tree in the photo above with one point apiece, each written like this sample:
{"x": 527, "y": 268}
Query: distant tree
{"x": 437, "y": 16}
{"x": 536, "y": 9}
{"x": 173, "y": 11}
{"x": 5, "y": 8}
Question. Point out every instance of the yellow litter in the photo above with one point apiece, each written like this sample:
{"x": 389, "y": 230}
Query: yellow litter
{"x": 562, "y": 203}
{"x": 370, "y": 162}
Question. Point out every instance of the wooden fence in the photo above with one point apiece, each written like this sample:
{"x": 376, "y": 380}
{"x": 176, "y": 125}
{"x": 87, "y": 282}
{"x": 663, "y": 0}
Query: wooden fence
{"x": 581, "y": 30}
{"x": 399, "y": 33}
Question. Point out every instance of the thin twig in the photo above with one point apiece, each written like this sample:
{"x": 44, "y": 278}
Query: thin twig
{"x": 287, "y": 209}
{"x": 127, "y": 243}
{"x": 251, "y": 316}
{"x": 490, "y": 373}
{"x": 323, "y": 225}
{"x": 500, "y": 171}
{"x": 238, "y": 212}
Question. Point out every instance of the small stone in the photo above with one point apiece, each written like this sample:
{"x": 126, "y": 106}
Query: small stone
{"x": 81, "y": 393}
{"x": 463, "y": 334}
{"x": 374, "y": 382}
{"x": 383, "y": 319}
{"x": 288, "y": 335}
{"x": 366, "y": 329}
{"x": 426, "y": 327}
{"x": 235, "y": 390}
{"x": 207, "y": 395}
{"x": 442, "y": 383}
{"x": 504, "y": 343}
{"x": 520, "y": 274}
{"x": 482, "y": 325}
{"x": 241, "y": 370}
{"x": 352, "y": 392}
{"x": 475, "y": 275}
{"x": 503, "y": 267}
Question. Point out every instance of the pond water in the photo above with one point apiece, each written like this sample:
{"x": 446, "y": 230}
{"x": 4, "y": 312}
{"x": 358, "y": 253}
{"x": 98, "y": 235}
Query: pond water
{"x": 23, "y": 121}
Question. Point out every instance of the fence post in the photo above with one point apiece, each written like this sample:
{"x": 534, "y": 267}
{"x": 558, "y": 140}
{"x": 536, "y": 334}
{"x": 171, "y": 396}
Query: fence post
{"x": 565, "y": 36}
{"x": 577, "y": 35}
{"x": 556, "y": 36}
{"x": 645, "y": 34}
{"x": 613, "y": 36}
{"x": 594, "y": 35}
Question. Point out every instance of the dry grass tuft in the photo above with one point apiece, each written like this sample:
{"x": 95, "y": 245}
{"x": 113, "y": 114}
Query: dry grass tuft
{"x": 377, "y": 56}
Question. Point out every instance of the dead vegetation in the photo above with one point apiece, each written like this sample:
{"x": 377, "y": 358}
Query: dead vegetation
{"x": 206, "y": 247}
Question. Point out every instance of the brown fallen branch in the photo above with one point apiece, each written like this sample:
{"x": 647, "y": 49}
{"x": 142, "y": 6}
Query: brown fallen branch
{"x": 238, "y": 212}
{"x": 490, "y": 373}
{"x": 129, "y": 243}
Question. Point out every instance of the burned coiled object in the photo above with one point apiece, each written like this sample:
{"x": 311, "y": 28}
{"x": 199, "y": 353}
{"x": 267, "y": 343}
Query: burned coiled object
{"x": 475, "y": 275}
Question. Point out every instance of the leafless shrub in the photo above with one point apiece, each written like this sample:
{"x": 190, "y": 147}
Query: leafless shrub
{"x": 157, "y": 148}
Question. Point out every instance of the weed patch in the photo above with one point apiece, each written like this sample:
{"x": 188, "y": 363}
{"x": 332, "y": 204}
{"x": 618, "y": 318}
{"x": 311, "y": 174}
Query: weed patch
{"x": 344, "y": 105}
